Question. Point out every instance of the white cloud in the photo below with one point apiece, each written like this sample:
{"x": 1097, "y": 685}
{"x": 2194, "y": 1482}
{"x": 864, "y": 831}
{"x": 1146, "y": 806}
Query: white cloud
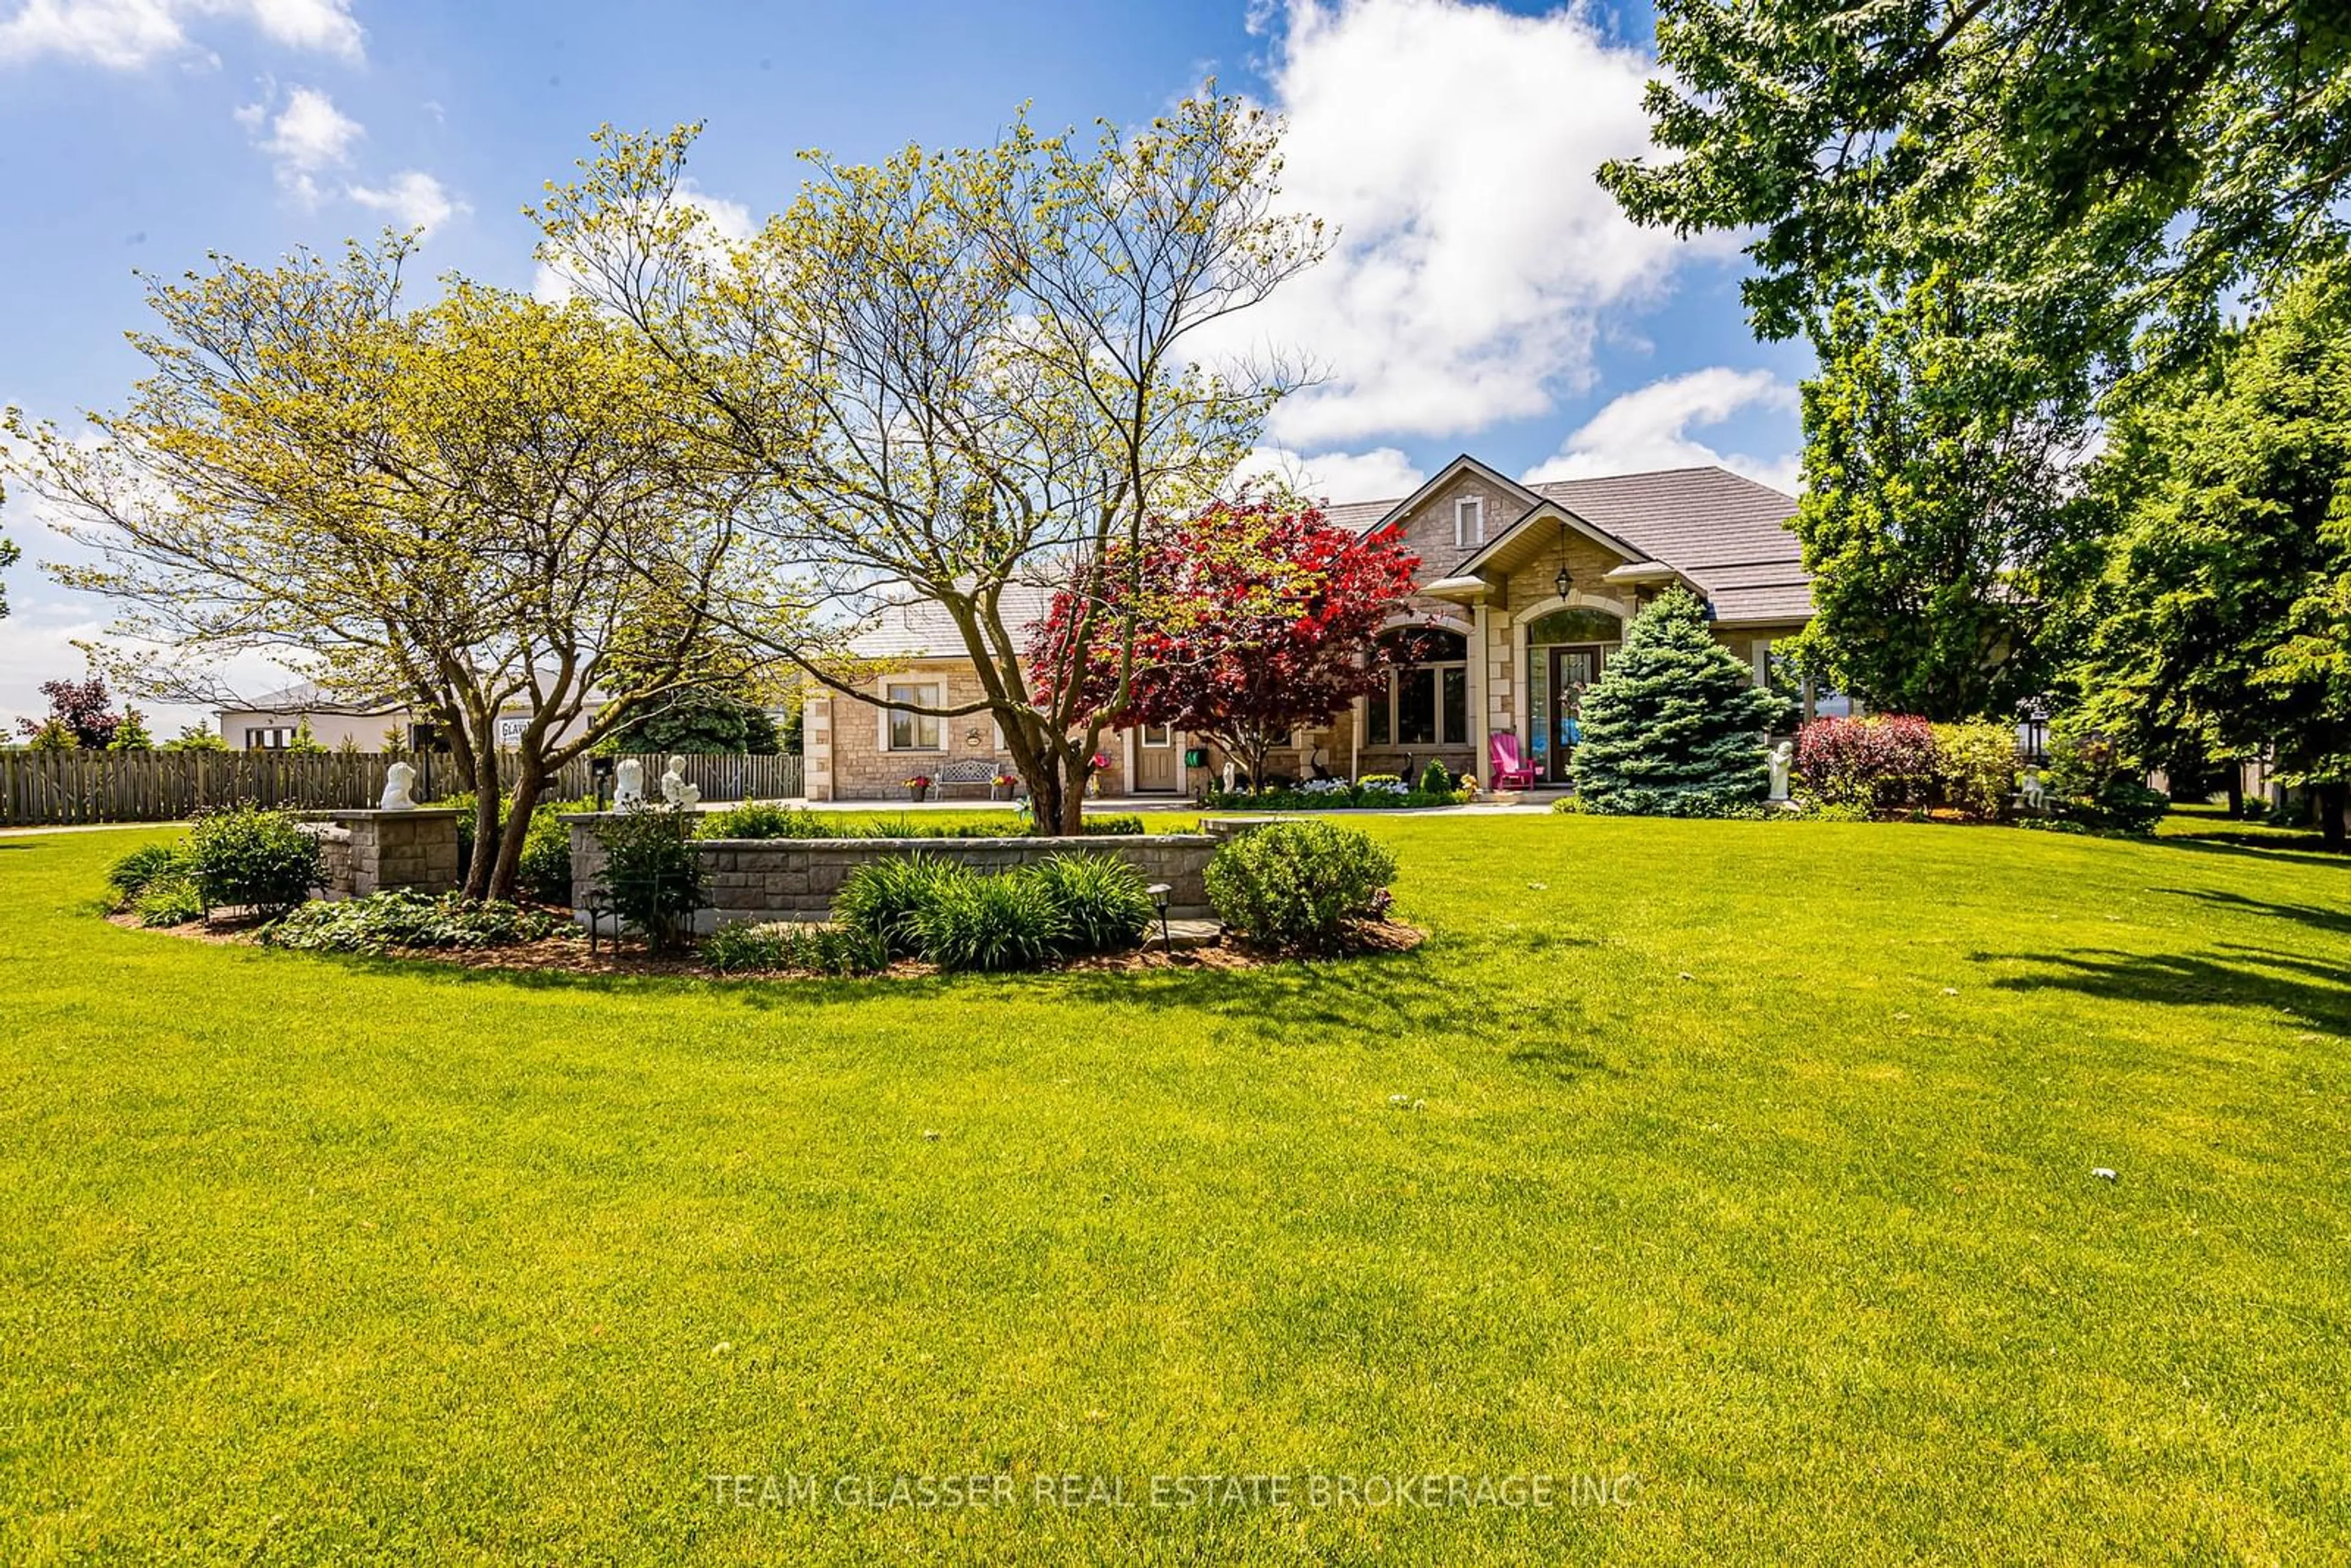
{"x": 1382, "y": 474}
{"x": 1454, "y": 145}
{"x": 309, "y": 137}
{"x": 1650, "y": 429}
{"x": 129, "y": 35}
{"x": 306, "y": 137}
{"x": 412, "y": 200}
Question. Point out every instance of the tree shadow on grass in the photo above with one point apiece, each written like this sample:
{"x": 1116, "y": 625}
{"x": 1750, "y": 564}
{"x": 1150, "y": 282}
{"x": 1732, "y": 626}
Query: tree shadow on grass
{"x": 2335, "y": 922}
{"x": 2255, "y": 978}
{"x": 2250, "y": 848}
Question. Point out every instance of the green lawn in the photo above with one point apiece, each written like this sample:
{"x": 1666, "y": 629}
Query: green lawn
{"x": 1755, "y": 1163}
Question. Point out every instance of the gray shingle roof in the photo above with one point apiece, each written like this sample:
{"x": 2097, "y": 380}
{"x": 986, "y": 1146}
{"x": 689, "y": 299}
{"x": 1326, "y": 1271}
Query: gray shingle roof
{"x": 921, "y": 629}
{"x": 1724, "y": 532}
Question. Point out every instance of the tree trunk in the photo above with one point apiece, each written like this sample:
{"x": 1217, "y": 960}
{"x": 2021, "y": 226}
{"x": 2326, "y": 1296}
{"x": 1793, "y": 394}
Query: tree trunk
{"x": 2331, "y": 798}
{"x": 1072, "y": 821}
{"x": 2236, "y": 789}
{"x": 529, "y": 780}
{"x": 485, "y": 812}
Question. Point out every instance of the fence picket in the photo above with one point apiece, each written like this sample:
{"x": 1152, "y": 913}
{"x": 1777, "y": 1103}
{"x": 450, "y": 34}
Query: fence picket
{"x": 43, "y": 789}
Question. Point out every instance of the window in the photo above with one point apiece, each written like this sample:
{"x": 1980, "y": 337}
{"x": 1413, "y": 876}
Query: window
{"x": 913, "y": 731}
{"x": 1469, "y": 522}
{"x": 1427, "y": 699}
{"x": 1158, "y": 736}
{"x": 270, "y": 740}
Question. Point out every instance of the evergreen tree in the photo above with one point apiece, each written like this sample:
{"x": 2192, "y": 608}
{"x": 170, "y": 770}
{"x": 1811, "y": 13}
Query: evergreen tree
{"x": 2226, "y": 630}
{"x": 131, "y": 734}
{"x": 1673, "y": 728}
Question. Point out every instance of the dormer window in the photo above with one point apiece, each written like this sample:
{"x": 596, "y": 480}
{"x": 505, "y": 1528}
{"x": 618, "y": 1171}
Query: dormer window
{"x": 1469, "y": 522}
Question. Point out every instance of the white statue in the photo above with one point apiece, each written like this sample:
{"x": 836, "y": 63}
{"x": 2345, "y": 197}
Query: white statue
{"x": 675, "y": 790}
{"x": 1232, "y": 775}
{"x": 2032, "y": 791}
{"x": 1783, "y": 756}
{"x": 397, "y": 780}
{"x": 628, "y": 784}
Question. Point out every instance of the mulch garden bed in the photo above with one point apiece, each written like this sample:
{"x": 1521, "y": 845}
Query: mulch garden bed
{"x": 567, "y": 954}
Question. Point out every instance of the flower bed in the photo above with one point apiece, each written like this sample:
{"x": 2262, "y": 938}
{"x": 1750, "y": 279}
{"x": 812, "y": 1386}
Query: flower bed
{"x": 1372, "y": 792}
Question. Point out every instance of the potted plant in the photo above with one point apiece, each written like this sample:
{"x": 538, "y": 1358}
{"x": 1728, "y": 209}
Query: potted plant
{"x": 1094, "y": 766}
{"x": 1005, "y": 784}
{"x": 918, "y": 787}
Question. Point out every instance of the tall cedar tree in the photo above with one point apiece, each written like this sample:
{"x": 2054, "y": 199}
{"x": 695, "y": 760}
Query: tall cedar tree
{"x": 1673, "y": 728}
{"x": 2227, "y": 624}
{"x": 1252, "y": 619}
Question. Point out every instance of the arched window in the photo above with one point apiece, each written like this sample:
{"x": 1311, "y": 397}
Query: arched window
{"x": 1427, "y": 699}
{"x": 1574, "y": 626}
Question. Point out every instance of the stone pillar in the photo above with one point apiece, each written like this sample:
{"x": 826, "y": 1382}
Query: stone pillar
{"x": 415, "y": 848}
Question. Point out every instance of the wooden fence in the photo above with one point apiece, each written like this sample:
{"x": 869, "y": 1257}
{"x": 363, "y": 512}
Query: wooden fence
{"x": 44, "y": 787}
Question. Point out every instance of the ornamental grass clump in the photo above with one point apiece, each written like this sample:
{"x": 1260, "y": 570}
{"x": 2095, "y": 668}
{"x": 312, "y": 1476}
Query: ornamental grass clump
{"x": 883, "y": 898}
{"x": 1103, "y": 903}
{"x": 975, "y": 922}
{"x": 1300, "y": 885}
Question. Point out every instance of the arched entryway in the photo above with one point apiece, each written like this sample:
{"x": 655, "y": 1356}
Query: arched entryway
{"x": 1566, "y": 650}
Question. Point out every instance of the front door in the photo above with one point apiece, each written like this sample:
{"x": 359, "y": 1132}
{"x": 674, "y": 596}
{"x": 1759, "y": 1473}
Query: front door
{"x": 1571, "y": 670}
{"x": 1155, "y": 759}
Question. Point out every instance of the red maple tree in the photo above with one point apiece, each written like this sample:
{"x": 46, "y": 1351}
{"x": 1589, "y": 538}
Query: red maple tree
{"x": 1253, "y": 618}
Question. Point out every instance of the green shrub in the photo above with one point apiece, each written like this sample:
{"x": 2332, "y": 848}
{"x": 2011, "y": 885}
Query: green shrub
{"x": 652, "y": 874}
{"x": 245, "y": 856}
{"x": 972, "y": 922}
{"x": 741, "y": 945}
{"x": 545, "y": 873}
{"x": 402, "y": 918}
{"x": 1124, "y": 826}
{"x": 883, "y": 898}
{"x": 1300, "y": 884}
{"x": 760, "y": 819}
{"x": 149, "y": 863}
{"x": 2128, "y": 806}
{"x": 1103, "y": 903}
{"x": 1975, "y": 764}
{"x": 1436, "y": 779}
{"x": 167, "y": 901}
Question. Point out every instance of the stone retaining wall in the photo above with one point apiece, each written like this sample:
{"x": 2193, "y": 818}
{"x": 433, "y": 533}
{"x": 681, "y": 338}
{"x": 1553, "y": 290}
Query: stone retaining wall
{"x": 795, "y": 879}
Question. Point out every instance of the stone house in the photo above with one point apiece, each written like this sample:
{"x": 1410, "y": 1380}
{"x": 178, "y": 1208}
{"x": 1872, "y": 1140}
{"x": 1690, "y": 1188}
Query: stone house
{"x": 1522, "y": 597}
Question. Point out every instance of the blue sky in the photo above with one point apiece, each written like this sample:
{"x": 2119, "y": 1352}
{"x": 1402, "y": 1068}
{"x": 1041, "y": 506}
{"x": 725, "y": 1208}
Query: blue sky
{"x": 1484, "y": 296}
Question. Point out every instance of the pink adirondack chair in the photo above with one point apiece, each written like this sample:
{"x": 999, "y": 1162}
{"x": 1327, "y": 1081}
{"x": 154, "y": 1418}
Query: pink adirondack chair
{"x": 1510, "y": 770}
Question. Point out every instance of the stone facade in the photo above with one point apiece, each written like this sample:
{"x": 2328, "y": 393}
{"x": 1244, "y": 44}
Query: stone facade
{"x": 1514, "y": 587}
{"x": 795, "y": 879}
{"x": 415, "y": 848}
{"x": 848, "y": 741}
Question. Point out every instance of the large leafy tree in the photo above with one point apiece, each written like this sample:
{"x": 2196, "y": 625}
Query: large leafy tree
{"x": 1253, "y": 619}
{"x": 483, "y": 505}
{"x": 2225, "y": 626}
{"x": 2083, "y": 185}
{"x": 1674, "y": 726}
{"x": 966, "y": 376}
{"x": 2103, "y": 163}
{"x": 1935, "y": 518}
